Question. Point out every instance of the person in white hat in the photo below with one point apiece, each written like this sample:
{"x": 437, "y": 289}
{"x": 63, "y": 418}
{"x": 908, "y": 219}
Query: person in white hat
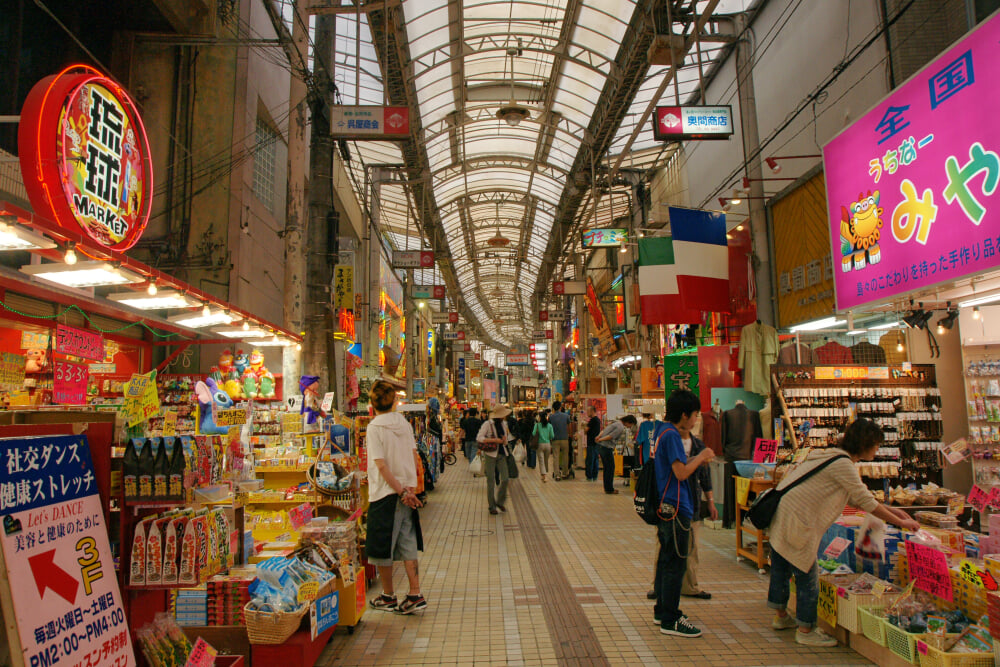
{"x": 494, "y": 442}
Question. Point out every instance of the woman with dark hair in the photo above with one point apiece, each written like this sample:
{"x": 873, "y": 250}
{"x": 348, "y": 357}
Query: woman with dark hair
{"x": 804, "y": 514}
{"x": 544, "y": 430}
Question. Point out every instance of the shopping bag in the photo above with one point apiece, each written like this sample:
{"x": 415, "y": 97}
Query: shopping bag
{"x": 512, "y": 471}
{"x": 476, "y": 467}
{"x": 520, "y": 453}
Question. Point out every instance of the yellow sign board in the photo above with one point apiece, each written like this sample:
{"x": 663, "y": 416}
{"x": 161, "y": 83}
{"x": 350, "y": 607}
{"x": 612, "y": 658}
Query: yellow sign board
{"x": 141, "y": 399}
{"x": 343, "y": 286}
{"x": 231, "y": 417}
{"x": 170, "y": 423}
{"x": 826, "y": 606}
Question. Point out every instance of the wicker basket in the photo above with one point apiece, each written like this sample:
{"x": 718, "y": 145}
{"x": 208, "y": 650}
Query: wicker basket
{"x": 311, "y": 473}
{"x": 931, "y": 656}
{"x": 902, "y": 643}
{"x": 272, "y": 627}
{"x": 872, "y": 624}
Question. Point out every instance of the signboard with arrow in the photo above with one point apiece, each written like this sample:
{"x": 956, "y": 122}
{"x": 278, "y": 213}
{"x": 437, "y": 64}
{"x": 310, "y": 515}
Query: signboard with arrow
{"x": 57, "y": 577}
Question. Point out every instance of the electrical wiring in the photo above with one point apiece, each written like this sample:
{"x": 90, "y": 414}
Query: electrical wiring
{"x": 87, "y": 317}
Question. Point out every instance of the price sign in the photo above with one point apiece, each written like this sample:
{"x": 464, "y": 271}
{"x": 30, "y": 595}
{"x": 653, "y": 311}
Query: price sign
{"x": 231, "y": 417}
{"x": 826, "y": 606}
{"x": 11, "y": 371}
{"x": 836, "y": 547}
{"x": 141, "y": 399}
{"x": 327, "y": 403}
{"x": 169, "y": 423}
{"x": 69, "y": 383}
{"x": 202, "y": 655}
{"x": 765, "y": 451}
{"x": 79, "y": 343}
{"x": 978, "y": 498}
{"x": 993, "y": 500}
{"x": 929, "y": 570}
{"x": 66, "y": 603}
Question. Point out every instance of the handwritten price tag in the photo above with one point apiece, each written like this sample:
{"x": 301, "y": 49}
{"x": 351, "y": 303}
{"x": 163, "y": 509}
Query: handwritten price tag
{"x": 765, "y": 451}
{"x": 929, "y": 570}
{"x": 202, "y": 655}
{"x": 69, "y": 383}
{"x": 826, "y": 606}
{"x": 978, "y": 498}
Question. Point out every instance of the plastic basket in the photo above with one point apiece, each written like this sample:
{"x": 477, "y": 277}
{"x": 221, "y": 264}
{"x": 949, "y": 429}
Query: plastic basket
{"x": 931, "y": 656}
{"x": 872, "y": 624}
{"x": 902, "y": 643}
{"x": 272, "y": 627}
{"x": 849, "y": 604}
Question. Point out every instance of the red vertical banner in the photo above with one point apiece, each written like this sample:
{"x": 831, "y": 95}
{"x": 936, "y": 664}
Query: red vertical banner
{"x": 713, "y": 371}
{"x": 69, "y": 383}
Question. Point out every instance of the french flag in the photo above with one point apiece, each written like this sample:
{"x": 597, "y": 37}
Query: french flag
{"x": 702, "y": 258}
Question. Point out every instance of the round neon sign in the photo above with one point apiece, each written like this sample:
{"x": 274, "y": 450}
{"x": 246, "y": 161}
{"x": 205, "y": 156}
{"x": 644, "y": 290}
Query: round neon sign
{"x": 85, "y": 157}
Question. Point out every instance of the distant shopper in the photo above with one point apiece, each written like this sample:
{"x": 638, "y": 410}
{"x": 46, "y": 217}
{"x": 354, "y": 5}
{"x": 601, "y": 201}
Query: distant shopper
{"x": 560, "y": 441}
{"x": 470, "y": 429}
{"x": 393, "y": 522}
{"x": 804, "y": 514}
{"x": 644, "y": 439}
{"x": 607, "y": 439}
{"x": 525, "y": 427}
{"x": 593, "y": 430}
{"x": 544, "y": 430}
{"x": 673, "y": 468}
{"x": 494, "y": 442}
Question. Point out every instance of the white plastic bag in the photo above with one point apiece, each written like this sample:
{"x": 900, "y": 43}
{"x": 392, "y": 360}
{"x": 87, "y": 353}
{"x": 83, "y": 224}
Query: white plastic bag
{"x": 520, "y": 453}
{"x": 476, "y": 467}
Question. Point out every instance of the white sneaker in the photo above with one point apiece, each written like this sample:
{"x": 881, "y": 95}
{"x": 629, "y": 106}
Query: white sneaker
{"x": 815, "y": 637}
{"x": 785, "y": 622}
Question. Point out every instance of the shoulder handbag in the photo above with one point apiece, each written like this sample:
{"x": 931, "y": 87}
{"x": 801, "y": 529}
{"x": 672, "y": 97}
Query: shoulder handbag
{"x": 761, "y": 512}
{"x": 490, "y": 446}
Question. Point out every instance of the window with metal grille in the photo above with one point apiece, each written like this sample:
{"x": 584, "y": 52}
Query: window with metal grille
{"x": 263, "y": 164}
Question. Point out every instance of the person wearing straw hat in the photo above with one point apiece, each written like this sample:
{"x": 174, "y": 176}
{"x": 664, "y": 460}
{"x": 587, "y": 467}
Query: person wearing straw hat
{"x": 494, "y": 442}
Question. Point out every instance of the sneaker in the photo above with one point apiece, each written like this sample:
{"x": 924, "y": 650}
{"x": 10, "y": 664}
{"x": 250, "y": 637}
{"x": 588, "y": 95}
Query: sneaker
{"x": 783, "y": 623}
{"x": 657, "y": 622}
{"x": 682, "y": 628}
{"x": 815, "y": 637}
{"x": 384, "y": 603}
{"x": 412, "y": 604}
{"x": 501, "y": 507}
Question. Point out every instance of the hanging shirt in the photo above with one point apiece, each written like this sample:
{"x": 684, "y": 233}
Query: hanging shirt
{"x": 788, "y": 357}
{"x": 758, "y": 350}
{"x": 644, "y": 439}
{"x": 866, "y": 354}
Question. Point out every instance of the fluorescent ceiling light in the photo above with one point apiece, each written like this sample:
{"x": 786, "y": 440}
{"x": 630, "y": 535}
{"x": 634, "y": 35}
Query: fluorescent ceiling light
{"x": 979, "y": 301}
{"x": 83, "y": 274}
{"x": 15, "y": 237}
{"x": 816, "y": 325}
{"x": 887, "y": 325}
{"x": 197, "y": 320}
{"x": 274, "y": 342}
{"x": 856, "y": 332}
{"x": 162, "y": 299}
{"x": 238, "y": 332}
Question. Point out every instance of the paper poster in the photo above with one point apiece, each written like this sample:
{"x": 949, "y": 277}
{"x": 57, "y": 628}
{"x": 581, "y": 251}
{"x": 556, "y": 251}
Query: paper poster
{"x": 977, "y": 576}
{"x": 993, "y": 499}
{"x": 765, "y": 451}
{"x": 836, "y": 547}
{"x": 826, "y": 605}
{"x": 170, "y": 423}
{"x": 67, "y": 605}
{"x": 929, "y": 570}
{"x": 141, "y": 399}
{"x": 202, "y": 655}
{"x": 327, "y": 403}
{"x": 79, "y": 343}
{"x": 11, "y": 371}
{"x": 956, "y": 452}
{"x": 31, "y": 340}
{"x": 977, "y": 498}
{"x": 230, "y": 417}
{"x": 324, "y": 613}
{"x": 69, "y": 383}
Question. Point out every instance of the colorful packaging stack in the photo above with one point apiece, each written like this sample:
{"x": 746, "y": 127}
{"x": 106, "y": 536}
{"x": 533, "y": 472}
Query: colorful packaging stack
{"x": 191, "y": 607}
{"x": 227, "y": 595}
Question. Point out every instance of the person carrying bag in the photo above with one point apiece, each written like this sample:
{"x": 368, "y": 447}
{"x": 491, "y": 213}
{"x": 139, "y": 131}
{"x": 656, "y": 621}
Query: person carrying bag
{"x": 494, "y": 444}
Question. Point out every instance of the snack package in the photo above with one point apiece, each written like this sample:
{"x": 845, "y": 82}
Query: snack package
{"x": 137, "y": 568}
{"x": 870, "y": 542}
{"x": 171, "y": 549}
{"x": 154, "y": 551}
{"x": 188, "y": 573}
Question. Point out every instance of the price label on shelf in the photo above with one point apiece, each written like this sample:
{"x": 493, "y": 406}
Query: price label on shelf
{"x": 826, "y": 606}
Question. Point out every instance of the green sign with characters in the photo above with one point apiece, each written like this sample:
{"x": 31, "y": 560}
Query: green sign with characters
{"x": 680, "y": 371}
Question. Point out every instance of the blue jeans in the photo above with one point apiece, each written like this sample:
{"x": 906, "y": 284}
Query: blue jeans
{"x": 470, "y": 450}
{"x": 532, "y": 459}
{"x": 806, "y": 589}
{"x": 671, "y": 563}
{"x": 592, "y": 458}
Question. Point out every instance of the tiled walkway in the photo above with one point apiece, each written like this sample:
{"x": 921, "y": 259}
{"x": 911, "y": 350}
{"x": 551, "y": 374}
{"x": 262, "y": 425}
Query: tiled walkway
{"x": 561, "y": 580}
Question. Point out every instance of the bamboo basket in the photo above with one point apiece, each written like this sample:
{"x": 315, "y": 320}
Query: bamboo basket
{"x": 272, "y": 627}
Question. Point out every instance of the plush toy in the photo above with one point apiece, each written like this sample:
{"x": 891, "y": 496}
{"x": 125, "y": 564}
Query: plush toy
{"x": 309, "y": 386}
{"x": 211, "y": 396}
{"x": 241, "y": 361}
{"x": 258, "y": 382}
{"x": 230, "y": 377}
{"x": 36, "y": 361}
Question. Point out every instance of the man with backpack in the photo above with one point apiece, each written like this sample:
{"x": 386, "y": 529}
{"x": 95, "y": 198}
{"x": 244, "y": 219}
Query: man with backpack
{"x": 676, "y": 510}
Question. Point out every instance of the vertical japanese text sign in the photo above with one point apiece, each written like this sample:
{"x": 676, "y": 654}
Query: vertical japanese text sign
{"x": 912, "y": 185}
{"x": 67, "y": 606}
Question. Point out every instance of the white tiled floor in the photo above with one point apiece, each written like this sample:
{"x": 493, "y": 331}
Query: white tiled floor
{"x": 486, "y": 605}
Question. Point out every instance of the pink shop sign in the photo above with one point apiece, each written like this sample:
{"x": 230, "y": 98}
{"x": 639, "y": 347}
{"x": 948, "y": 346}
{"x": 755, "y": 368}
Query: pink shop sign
{"x": 912, "y": 185}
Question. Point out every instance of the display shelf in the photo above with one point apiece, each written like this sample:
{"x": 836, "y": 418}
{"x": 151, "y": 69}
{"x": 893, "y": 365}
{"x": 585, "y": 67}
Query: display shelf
{"x": 276, "y": 469}
{"x": 154, "y": 504}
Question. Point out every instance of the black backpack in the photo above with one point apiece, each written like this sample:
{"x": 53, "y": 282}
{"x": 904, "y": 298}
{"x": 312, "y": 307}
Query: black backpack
{"x": 645, "y": 499}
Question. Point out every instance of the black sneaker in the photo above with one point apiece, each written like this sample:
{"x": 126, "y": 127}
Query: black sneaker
{"x": 412, "y": 604}
{"x": 384, "y": 603}
{"x": 682, "y": 628}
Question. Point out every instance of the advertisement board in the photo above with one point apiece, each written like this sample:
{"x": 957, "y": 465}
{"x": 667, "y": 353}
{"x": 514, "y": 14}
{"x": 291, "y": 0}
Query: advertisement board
{"x": 369, "y": 122}
{"x": 911, "y": 184}
{"x": 693, "y": 122}
{"x": 604, "y": 238}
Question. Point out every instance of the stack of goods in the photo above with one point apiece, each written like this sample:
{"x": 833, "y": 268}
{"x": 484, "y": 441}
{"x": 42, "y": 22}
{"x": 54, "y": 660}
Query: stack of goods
{"x": 334, "y": 543}
{"x": 227, "y": 595}
{"x": 284, "y": 584}
{"x": 163, "y": 642}
{"x": 919, "y": 613}
{"x": 191, "y": 607}
{"x": 180, "y": 547}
